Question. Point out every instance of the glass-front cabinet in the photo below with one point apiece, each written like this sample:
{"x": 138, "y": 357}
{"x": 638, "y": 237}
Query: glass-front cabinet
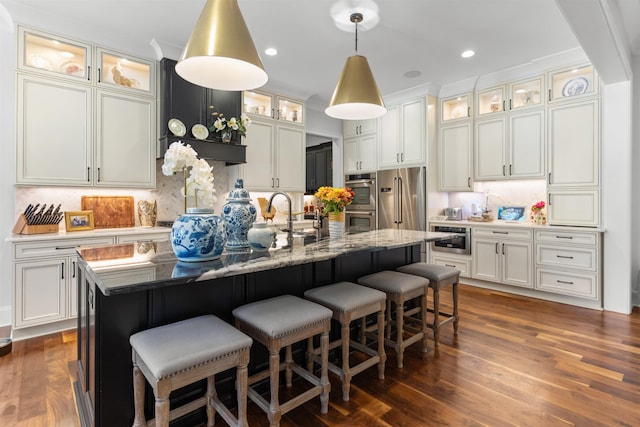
{"x": 490, "y": 101}
{"x": 55, "y": 55}
{"x": 569, "y": 83}
{"x": 261, "y": 104}
{"x": 455, "y": 108}
{"x": 526, "y": 93}
{"x": 115, "y": 69}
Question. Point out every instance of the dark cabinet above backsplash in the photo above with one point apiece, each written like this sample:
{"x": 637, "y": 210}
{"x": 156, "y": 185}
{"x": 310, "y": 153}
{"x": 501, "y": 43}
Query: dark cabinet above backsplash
{"x": 193, "y": 104}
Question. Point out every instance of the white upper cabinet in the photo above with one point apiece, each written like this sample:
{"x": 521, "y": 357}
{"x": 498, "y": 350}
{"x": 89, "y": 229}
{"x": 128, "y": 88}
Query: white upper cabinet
{"x": 569, "y": 84}
{"x": 264, "y": 105}
{"x": 455, "y": 108}
{"x": 351, "y": 128}
{"x": 454, "y": 158}
{"x": 86, "y": 116}
{"x": 491, "y": 101}
{"x": 527, "y": 93}
{"x": 402, "y": 137}
{"x": 574, "y": 144}
{"x": 510, "y": 146}
{"x": 56, "y": 56}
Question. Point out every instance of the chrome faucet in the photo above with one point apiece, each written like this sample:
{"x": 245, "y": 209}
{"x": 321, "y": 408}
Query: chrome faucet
{"x": 289, "y": 219}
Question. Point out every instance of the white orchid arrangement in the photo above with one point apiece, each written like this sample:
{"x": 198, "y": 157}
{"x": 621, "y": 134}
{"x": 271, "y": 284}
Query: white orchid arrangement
{"x": 199, "y": 183}
{"x": 241, "y": 125}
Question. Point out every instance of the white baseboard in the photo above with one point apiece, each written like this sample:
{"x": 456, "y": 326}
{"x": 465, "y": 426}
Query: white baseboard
{"x": 5, "y": 315}
{"x": 49, "y": 328}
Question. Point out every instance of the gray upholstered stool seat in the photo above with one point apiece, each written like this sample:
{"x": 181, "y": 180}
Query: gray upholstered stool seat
{"x": 181, "y": 353}
{"x": 349, "y": 302}
{"x": 280, "y": 322}
{"x": 439, "y": 276}
{"x": 400, "y": 288}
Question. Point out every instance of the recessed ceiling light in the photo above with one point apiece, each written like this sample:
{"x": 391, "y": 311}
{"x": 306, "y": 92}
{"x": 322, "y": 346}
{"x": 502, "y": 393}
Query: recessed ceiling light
{"x": 271, "y": 51}
{"x": 413, "y": 73}
{"x": 467, "y": 53}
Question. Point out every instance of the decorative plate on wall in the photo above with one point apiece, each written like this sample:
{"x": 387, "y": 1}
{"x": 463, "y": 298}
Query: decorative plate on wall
{"x": 177, "y": 127}
{"x": 200, "y": 131}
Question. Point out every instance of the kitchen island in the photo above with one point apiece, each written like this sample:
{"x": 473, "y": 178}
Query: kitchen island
{"x": 127, "y": 288}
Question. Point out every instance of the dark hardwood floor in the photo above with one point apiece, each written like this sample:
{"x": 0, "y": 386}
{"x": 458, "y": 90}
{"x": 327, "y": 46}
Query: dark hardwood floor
{"x": 515, "y": 362}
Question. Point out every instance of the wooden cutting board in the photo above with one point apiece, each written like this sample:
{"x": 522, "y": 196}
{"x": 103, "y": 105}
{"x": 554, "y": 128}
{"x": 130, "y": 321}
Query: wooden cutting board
{"x": 110, "y": 211}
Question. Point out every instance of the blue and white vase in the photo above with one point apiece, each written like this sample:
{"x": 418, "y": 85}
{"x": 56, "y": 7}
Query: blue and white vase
{"x": 239, "y": 214}
{"x": 198, "y": 235}
{"x": 261, "y": 236}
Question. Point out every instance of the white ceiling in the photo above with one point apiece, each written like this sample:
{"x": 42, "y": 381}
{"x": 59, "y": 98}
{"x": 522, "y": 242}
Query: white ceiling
{"x": 412, "y": 35}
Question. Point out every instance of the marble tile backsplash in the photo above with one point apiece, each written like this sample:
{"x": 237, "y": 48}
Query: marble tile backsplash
{"x": 500, "y": 193}
{"x": 167, "y": 194}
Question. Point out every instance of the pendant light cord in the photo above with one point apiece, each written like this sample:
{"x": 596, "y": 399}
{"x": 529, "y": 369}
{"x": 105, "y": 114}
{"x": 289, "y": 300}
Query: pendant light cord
{"x": 356, "y": 18}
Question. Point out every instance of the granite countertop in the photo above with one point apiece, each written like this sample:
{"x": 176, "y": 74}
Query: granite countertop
{"x": 141, "y": 266}
{"x": 87, "y": 234}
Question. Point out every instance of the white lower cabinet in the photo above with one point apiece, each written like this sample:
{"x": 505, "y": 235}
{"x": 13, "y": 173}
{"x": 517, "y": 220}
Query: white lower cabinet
{"x": 460, "y": 262}
{"x": 45, "y": 283}
{"x": 45, "y": 286}
{"x": 568, "y": 263}
{"x": 503, "y": 256}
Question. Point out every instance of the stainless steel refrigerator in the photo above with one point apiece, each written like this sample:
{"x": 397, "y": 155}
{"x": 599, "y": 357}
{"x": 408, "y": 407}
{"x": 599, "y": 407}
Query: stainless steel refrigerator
{"x": 402, "y": 198}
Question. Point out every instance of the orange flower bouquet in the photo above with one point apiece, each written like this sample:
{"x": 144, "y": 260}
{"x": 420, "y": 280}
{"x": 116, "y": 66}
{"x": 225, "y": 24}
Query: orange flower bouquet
{"x": 334, "y": 199}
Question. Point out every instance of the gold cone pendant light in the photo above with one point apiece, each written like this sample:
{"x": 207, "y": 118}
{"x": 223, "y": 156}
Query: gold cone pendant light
{"x": 356, "y": 96}
{"x": 220, "y": 53}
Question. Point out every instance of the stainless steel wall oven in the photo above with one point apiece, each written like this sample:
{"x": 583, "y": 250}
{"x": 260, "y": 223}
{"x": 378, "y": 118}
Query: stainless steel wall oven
{"x": 360, "y": 215}
{"x": 460, "y": 244}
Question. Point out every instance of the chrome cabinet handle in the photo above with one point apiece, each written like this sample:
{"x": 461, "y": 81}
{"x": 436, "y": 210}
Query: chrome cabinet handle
{"x": 503, "y": 249}
{"x": 89, "y": 72}
{"x": 549, "y": 179}
{"x": 99, "y": 76}
{"x": 88, "y": 173}
{"x": 503, "y": 104}
{"x": 496, "y": 247}
{"x": 468, "y": 111}
{"x": 510, "y": 105}
{"x": 564, "y": 237}
{"x": 273, "y": 183}
{"x": 402, "y": 157}
{"x": 397, "y": 157}
{"x": 450, "y": 265}
{"x": 73, "y": 271}
{"x": 510, "y": 170}
{"x": 469, "y": 182}
{"x": 500, "y": 232}
{"x": 564, "y": 256}
{"x": 62, "y": 270}
{"x": 504, "y": 170}
{"x": 549, "y": 95}
{"x": 565, "y": 282}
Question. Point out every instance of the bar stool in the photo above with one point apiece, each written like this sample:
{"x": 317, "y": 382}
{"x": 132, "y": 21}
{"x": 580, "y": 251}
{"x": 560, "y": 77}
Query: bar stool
{"x": 181, "y": 353}
{"x": 280, "y": 322}
{"x": 400, "y": 288}
{"x": 439, "y": 276}
{"x": 349, "y": 302}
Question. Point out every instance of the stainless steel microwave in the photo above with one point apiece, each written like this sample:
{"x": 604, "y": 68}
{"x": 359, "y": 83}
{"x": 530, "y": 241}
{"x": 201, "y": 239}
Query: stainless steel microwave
{"x": 365, "y": 191}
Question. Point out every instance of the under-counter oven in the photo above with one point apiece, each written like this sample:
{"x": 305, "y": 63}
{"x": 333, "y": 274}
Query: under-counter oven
{"x": 364, "y": 191}
{"x": 459, "y": 243}
{"x": 359, "y": 221}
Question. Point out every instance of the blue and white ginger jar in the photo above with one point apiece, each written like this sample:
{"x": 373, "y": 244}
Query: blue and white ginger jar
{"x": 239, "y": 214}
{"x": 198, "y": 235}
{"x": 261, "y": 236}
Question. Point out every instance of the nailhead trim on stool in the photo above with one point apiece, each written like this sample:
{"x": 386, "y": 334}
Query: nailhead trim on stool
{"x": 280, "y": 322}
{"x": 350, "y": 302}
{"x": 181, "y": 353}
{"x": 400, "y": 288}
{"x": 439, "y": 276}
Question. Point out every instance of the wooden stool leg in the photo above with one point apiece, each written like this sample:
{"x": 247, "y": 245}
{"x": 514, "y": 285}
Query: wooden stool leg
{"x": 324, "y": 374}
{"x": 310, "y": 354}
{"x": 288, "y": 360}
{"x": 400, "y": 332}
{"x": 139, "y": 383}
{"x": 211, "y": 394}
{"x": 388, "y": 331}
{"x": 381, "y": 352}
{"x": 241, "y": 393}
{"x": 363, "y": 331}
{"x": 436, "y": 315}
{"x": 274, "y": 414}
{"x": 423, "y": 320}
{"x": 162, "y": 411}
{"x": 346, "y": 373}
{"x": 455, "y": 308}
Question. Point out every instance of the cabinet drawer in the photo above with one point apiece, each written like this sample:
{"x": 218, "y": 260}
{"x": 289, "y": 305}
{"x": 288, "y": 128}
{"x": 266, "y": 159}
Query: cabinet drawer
{"x": 502, "y": 233}
{"x": 464, "y": 265}
{"x": 565, "y": 237}
{"x": 580, "y": 285}
{"x": 56, "y": 247}
{"x": 562, "y": 256}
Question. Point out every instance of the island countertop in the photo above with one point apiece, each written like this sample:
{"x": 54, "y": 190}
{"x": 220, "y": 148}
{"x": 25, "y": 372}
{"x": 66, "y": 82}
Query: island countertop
{"x": 140, "y": 266}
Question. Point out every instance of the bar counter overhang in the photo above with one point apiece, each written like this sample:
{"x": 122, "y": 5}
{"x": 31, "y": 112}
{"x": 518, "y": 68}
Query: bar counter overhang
{"x": 123, "y": 289}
